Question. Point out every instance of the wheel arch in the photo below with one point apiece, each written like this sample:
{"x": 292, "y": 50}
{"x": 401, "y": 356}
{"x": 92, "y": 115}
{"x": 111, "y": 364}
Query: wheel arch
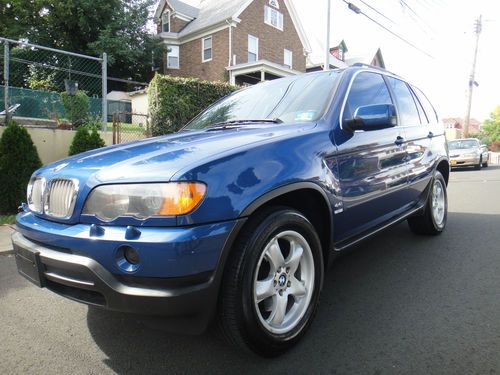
{"x": 309, "y": 199}
{"x": 443, "y": 166}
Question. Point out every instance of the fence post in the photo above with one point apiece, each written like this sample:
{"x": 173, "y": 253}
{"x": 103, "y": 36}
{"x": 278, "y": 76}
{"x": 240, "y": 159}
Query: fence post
{"x": 104, "y": 92}
{"x": 6, "y": 75}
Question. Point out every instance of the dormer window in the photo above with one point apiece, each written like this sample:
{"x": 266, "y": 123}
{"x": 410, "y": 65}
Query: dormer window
{"x": 341, "y": 53}
{"x": 165, "y": 22}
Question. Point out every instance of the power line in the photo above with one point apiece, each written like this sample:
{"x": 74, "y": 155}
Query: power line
{"x": 357, "y": 10}
{"x": 416, "y": 16}
{"x": 376, "y": 11}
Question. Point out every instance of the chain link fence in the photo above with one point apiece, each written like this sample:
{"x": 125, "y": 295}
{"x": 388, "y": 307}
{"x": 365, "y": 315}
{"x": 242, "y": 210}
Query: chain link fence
{"x": 42, "y": 85}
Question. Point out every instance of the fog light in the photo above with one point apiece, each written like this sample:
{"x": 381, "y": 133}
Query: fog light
{"x": 131, "y": 255}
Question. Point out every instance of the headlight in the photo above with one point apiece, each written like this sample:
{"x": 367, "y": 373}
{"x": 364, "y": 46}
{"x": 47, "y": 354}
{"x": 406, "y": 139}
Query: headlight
{"x": 35, "y": 191}
{"x": 108, "y": 202}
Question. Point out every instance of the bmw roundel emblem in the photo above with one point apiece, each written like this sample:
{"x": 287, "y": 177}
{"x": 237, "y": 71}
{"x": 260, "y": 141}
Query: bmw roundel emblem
{"x": 282, "y": 280}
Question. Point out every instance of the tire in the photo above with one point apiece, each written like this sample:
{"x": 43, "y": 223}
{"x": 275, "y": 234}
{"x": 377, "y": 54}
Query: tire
{"x": 485, "y": 164}
{"x": 263, "y": 327}
{"x": 432, "y": 221}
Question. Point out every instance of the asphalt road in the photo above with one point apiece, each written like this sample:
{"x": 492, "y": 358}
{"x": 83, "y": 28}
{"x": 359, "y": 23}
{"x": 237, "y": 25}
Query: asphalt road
{"x": 398, "y": 304}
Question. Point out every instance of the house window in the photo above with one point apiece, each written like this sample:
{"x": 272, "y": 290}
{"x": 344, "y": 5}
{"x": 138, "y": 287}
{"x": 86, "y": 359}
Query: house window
{"x": 273, "y": 17}
{"x": 206, "y": 49}
{"x": 274, "y": 3}
{"x": 173, "y": 57}
{"x": 288, "y": 58}
{"x": 165, "y": 22}
{"x": 253, "y": 48}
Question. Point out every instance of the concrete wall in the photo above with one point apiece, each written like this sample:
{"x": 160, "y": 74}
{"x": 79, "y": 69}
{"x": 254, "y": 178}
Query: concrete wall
{"x": 453, "y": 134}
{"x": 53, "y": 144}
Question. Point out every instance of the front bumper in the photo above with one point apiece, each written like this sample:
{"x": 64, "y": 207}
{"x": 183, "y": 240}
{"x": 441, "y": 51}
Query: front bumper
{"x": 461, "y": 161}
{"x": 180, "y": 276}
{"x": 83, "y": 279}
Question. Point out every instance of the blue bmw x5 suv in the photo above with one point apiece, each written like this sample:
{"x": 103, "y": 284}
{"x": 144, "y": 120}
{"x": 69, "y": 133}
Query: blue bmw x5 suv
{"x": 238, "y": 215}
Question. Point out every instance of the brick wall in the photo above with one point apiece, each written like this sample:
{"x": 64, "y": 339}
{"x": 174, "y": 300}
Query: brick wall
{"x": 272, "y": 41}
{"x": 191, "y": 64}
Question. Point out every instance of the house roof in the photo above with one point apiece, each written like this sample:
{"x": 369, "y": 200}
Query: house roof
{"x": 181, "y": 7}
{"x": 366, "y": 57}
{"x": 208, "y": 13}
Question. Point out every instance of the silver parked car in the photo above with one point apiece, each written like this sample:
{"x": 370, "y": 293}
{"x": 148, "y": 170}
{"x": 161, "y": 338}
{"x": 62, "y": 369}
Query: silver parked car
{"x": 468, "y": 152}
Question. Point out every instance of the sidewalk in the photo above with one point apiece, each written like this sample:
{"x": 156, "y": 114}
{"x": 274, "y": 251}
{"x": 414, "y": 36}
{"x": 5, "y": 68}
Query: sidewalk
{"x": 5, "y": 244}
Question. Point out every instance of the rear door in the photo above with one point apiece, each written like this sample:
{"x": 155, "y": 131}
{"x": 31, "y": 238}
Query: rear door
{"x": 372, "y": 164}
{"x": 417, "y": 135}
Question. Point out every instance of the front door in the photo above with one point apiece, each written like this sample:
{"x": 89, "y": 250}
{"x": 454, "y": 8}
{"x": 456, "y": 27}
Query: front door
{"x": 372, "y": 164}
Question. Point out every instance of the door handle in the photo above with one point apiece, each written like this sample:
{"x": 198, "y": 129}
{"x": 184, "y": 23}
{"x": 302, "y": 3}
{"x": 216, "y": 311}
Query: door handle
{"x": 399, "y": 140}
{"x": 430, "y": 135}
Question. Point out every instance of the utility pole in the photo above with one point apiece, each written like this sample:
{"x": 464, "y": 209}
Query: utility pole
{"x": 327, "y": 49}
{"x": 478, "y": 25}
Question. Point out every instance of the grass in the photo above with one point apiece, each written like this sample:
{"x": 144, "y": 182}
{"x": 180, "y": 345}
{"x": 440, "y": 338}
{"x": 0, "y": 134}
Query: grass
{"x": 7, "y": 219}
{"x": 128, "y": 128}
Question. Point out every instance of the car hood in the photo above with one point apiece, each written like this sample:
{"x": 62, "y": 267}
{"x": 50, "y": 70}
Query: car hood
{"x": 158, "y": 159}
{"x": 462, "y": 151}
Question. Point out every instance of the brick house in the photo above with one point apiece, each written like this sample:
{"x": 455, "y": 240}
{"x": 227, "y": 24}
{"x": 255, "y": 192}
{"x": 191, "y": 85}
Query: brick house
{"x": 239, "y": 41}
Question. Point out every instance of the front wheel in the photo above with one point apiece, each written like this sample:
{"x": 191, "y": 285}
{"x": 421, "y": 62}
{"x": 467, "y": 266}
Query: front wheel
{"x": 433, "y": 220}
{"x": 272, "y": 282}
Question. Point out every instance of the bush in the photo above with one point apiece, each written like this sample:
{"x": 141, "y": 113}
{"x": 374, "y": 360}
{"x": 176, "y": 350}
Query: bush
{"x": 76, "y": 107}
{"x": 174, "y": 101}
{"x": 18, "y": 160}
{"x": 86, "y": 138}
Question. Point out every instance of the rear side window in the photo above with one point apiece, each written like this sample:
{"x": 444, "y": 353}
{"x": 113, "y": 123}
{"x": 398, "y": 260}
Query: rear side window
{"x": 421, "y": 113}
{"x": 367, "y": 89}
{"x": 428, "y": 108}
{"x": 408, "y": 112}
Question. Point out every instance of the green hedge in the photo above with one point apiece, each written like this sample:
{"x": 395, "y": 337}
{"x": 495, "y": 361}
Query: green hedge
{"x": 174, "y": 101}
{"x": 76, "y": 107}
{"x": 86, "y": 138}
{"x": 18, "y": 160}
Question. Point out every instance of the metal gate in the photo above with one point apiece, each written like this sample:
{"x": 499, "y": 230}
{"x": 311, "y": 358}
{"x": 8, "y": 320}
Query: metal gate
{"x": 129, "y": 127}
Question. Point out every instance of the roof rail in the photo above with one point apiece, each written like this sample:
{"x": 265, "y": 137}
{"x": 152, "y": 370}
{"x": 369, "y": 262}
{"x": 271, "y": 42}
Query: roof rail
{"x": 363, "y": 65}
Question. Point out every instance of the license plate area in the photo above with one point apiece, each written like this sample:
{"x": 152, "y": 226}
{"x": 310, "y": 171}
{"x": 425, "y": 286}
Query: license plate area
{"x": 453, "y": 162}
{"x": 29, "y": 265}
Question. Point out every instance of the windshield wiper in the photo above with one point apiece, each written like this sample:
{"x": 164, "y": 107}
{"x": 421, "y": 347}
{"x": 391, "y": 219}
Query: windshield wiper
{"x": 225, "y": 124}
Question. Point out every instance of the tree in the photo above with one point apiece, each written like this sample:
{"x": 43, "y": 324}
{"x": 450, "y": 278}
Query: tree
{"x": 117, "y": 27}
{"x": 491, "y": 126}
{"x": 18, "y": 160}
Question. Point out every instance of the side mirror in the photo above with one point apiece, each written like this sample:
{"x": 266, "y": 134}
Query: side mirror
{"x": 373, "y": 117}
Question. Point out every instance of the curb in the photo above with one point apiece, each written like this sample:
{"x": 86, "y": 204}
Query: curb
{"x": 5, "y": 244}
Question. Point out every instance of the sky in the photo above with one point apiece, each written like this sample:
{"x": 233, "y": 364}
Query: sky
{"x": 443, "y": 29}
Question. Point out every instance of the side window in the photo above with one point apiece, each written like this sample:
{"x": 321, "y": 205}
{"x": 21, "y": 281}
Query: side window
{"x": 367, "y": 89}
{"x": 421, "y": 113}
{"x": 428, "y": 108}
{"x": 408, "y": 112}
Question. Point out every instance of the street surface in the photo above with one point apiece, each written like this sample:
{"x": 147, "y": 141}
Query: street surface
{"x": 397, "y": 304}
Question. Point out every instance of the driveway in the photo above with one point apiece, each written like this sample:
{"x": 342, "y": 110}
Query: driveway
{"x": 397, "y": 304}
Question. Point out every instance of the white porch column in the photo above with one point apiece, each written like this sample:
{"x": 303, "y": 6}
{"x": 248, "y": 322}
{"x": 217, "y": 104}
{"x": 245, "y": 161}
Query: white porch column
{"x": 262, "y": 75}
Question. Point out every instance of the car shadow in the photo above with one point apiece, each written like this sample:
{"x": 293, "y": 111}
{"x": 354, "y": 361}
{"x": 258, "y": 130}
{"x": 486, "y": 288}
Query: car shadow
{"x": 392, "y": 302}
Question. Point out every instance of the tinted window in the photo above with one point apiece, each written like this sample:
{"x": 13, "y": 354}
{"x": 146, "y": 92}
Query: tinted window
{"x": 367, "y": 89}
{"x": 428, "y": 108}
{"x": 421, "y": 113}
{"x": 408, "y": 113}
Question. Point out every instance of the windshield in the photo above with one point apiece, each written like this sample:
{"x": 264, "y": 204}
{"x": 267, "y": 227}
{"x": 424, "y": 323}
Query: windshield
{"x": 463, "y": 144}
{"x": 287, "y": 100}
